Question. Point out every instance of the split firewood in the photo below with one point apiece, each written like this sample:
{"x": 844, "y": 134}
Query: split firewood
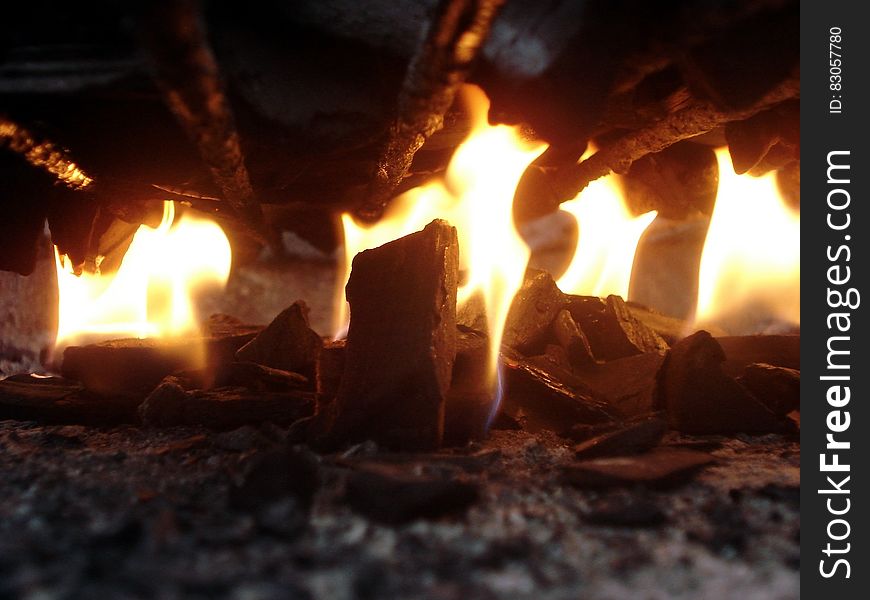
{"x": 222, "y": 408}
{"x": 776, "y": 350}
{"x": 287, "y": 343}
{"x": 613, "y": 332}
{"x": 572, "y": 339}
{"x": 700, "y": 398}
{"x": 550, "y": 398}
{"x": 628, "y": 383}
{"x": 394, "y": 495}
{"x": 401, "y": 342}
{"x": 55, "y": 400}
{"x": 661, "y": 467}
{"x": 635, "y": 437}
{"x": 778, "y": 388}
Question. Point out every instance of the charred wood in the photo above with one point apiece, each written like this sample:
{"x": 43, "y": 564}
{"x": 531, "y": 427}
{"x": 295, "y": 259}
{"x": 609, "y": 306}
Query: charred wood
{"x": 634, "y": 438}
{"x": 55, "y": 400}
{"x": 401, "y": 342}
{"x": 287, "y": 343}
{"x": 613, "y": 332}
{"x": 437, "y": 70}
{"x": 776, "y": 350}
{"x": 778, "y": 388}
{"x": 700, "y": 398}
{"x": 659, "y": 468}
{"x": 223, "y": 408}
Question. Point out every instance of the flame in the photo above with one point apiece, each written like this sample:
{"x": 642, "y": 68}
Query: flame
{"x": 476, "y": 196}
{"x": 151, "y": 293}
{"x": 751, "y": 258}
{"x": 607, "y": 239}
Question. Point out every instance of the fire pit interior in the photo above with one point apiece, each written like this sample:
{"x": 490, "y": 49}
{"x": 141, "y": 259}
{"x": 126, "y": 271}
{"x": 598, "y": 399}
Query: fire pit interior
{"x": 400, "y": 299}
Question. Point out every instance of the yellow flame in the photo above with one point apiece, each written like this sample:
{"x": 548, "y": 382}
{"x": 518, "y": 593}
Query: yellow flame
{"x": 751, "y": 257}
{"x": 151, "y": 293}
{"x": 607, "y": 239}
{"x": 476, "y": 196}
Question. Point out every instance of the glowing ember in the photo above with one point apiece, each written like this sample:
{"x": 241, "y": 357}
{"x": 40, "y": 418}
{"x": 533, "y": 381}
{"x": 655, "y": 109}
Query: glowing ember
{"x": 607, "y": 240}
{"x": 150, "y": 295}
{"x": 476, "y": 196}
{"x": 750, "y": 267}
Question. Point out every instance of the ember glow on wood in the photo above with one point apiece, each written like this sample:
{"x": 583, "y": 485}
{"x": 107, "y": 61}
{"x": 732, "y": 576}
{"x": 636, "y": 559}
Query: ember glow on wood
{"x": 151, "y": 293}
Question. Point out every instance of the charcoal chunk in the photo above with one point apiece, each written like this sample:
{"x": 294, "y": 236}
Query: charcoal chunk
{"x": 613, "y": 332}
{"x": 633, "y": 438}
{"x": 778, "y": 388}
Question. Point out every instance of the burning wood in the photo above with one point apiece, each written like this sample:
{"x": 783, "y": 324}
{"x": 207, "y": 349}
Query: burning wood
{"x": 613, "y": 332}
{"x": 137, "y": 365}
{"x": 401, "y": 342}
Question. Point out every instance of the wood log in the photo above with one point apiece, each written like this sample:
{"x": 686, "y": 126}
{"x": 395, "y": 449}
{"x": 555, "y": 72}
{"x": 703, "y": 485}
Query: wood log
{"x": 223, "y": 408}
{"x": 55, "y": 400}
{"x": 701, "y": 398}
{"x": 401, "y": 342}
{"x": 287, "y": 343}
{"x": 136, "y": 366}
{"x": 437, "y": 70}
{"x": 613, "y": 332}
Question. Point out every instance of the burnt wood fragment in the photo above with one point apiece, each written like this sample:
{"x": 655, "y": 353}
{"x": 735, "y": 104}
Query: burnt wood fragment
{"x": 330, "y": 368}
{"x": 287, "y": 343}
{"x": 700, "y": 398}
{"x": 776, "y": 350}
{"x": 661, "y": 467}
{"x": 550, "y": 398}
{"x": 634, "y": 437}
{"x": 394, "y": 495}
{"x": 627, "y": 383}
{"x": 613, "y": 332}
{"x": 532, "y": 311}
{"x": 136, "y": 366}
{"x": 778, "y": 388}
{"x": 470, "y": 398}
{"x": 572, "y": 339}
{"x": 55, "y": 400}
{"x": 177, "y": 42}
{"x": 223, "y": 408}
{"x": 401, "y": 342}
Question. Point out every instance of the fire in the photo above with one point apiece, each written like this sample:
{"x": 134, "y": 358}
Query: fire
{"x": 608, "y": 235}
{"x": 476, "y": 196}
{"x": 750, "y": 266}
{"x": 151, "y": 293}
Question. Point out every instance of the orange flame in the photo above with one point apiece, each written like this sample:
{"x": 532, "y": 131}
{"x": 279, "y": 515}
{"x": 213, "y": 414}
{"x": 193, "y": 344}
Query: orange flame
{"x": 750, "y": 266}
{"x": 151, "y": 293}
{"x": 608, "y": 235}
{"x": 476, "y": 196}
